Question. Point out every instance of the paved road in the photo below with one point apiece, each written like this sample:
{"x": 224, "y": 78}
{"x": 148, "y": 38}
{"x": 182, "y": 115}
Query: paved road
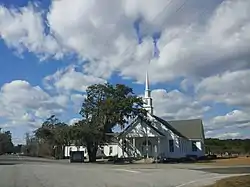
{"x": 36, "y": 172}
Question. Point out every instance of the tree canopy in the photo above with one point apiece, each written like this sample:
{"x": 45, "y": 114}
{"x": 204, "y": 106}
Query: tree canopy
{"x": 104, "y": 107}
{"x": 229, "y": 145}
{"x": 6, "y": 145}
{"x": 55, "y": 134}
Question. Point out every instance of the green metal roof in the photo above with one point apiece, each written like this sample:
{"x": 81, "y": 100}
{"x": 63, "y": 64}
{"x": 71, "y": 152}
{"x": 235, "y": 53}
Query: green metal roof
{"x": 192, "y": 128}
{"x": 189, "y": 129}
{"x": 170, "y": 127}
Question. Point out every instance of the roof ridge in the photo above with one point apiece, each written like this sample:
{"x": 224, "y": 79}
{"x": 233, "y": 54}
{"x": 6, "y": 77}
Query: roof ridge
{"x": 186, "y": 119}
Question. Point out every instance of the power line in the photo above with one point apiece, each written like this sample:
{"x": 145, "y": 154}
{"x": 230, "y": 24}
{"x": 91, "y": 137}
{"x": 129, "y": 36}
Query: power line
{"x": 153, "y": 19}
{"x": 197, "y": 15}
{"x": 166, "y": 7}
{"x": 176, "y": 11}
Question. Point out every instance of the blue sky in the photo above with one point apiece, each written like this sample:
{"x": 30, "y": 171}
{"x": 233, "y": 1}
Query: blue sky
{"x": 48, "y": 59}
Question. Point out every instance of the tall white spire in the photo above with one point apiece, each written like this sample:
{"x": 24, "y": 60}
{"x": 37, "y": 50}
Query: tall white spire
{"x": 147, "y": 91}
{"x": 148, "y": 105}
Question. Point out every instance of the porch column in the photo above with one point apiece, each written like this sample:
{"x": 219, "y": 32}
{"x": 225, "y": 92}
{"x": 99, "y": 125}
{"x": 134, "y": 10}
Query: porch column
{"x": 134, "y": 147}
{"x": 146, "y": 136}
{"x": 159, "y": 146}
{"x": 147, "y": 141}
{"x": 123, "y": 147}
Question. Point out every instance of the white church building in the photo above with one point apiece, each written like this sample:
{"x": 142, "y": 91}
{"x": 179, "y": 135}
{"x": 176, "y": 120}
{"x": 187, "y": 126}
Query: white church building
{"x": 153, "y": 136}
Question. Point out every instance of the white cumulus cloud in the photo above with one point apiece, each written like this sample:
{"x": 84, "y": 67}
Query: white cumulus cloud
{"x": 70, "y": 79}
{"x": 232, "y": 88}
{"x": 206, "y": 43}
{"x": 176, "y": 105}
{"x": 24, "y": 104}
{"x": 103, "y": 33}
{"x": 23, "y": 29}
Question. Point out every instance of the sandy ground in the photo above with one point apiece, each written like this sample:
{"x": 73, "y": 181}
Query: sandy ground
{"x": 35, "y": 172}
{"x": 232, "y": 161}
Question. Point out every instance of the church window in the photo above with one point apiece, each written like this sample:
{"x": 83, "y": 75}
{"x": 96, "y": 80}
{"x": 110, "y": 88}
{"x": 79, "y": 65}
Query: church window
{"x": 110, "y": 150}
{"x": 171, "y": 146}
{"x": 194, "y": 146}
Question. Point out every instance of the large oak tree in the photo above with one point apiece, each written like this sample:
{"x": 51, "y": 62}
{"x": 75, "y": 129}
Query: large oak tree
{"x": 105, "y": 107}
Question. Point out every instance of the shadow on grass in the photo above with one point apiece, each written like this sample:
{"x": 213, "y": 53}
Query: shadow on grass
{"x": 185, "y": 160}
{"x": 133, "y": 161}
{"x": 111, "y": 162}
{"x": 7, "y": 164}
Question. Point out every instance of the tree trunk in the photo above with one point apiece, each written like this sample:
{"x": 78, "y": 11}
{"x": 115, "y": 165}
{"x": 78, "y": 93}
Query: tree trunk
{"x": 92, "y": 150}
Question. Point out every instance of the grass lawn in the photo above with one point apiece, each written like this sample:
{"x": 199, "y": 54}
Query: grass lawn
{"x": 229, "y": 161}
{"x": 239, "y": 181}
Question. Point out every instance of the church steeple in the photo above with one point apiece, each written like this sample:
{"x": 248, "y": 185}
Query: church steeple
{"x": 148, "y": 105}
{"x": 147, "y": 91}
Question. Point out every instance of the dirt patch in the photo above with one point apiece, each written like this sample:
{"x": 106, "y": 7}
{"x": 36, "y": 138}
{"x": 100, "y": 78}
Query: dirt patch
{"x": 227, "y": 170}
{"x": 239, "y": 181}
{"x": 230, "y": 161}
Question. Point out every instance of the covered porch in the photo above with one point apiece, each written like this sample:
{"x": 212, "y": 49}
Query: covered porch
{"x": 141, "y": 139}
{"x": 142, "y": 147}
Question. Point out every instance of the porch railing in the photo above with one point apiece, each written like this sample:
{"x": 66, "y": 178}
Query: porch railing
{"x": 130, "y": 149}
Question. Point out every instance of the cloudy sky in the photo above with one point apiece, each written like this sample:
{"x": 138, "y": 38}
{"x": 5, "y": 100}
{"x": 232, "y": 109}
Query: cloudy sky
{"x": 50, "y": 51}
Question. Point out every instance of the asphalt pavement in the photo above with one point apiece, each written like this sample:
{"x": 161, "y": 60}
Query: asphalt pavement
{"x": 18, "y": 171}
